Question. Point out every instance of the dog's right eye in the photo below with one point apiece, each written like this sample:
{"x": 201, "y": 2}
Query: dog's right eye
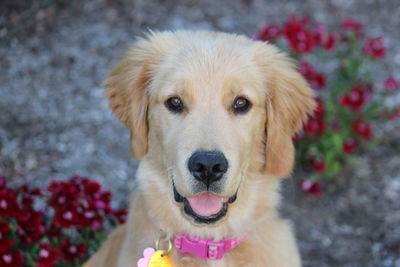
{"x": 175, "y": 104}
{"x": 241, "y": 105}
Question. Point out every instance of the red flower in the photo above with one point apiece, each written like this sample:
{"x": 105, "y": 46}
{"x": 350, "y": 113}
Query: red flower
{"x": 90, "y": 216}
{"x": 318, "y": 165}
{"x": 53, "y": 231}
{"x": 390, "y": 115}
{"x": 8, "y": 203}
{"x": 323, "y": 38}
{"x": 30, "y": 226}
{"x": 320, "y": 109}
{"x": 121, "y": 215}
{"x": 349, "y": 145}
{"x": 312, "y": 188}
{"x": 36, "y": 192}
{"x": 316, "y": 79}
{"x": 11, "y": 259}
{"x": 72, "y": 252}
{"x": 314, "y": 126}
{"x": 391, "y": 84}
{"x": 319, "y": 81}
{"x": 64, "y": 192}
{"x": 6, "y": 245}
{"x": 77, "y": 200}
{"x": 78, "y": 180}
{"x": 298, "y": 136}
{"x": 27, "y": 195}
{"x": 269, "y": 32}
{"x": 351, "y": 25}
{"x": 375, "y": 48}
{"x": 3, "y": 182}
{"x": 92, "y": 187}
{"x": 66, "y": 216}
{"x": 362, "y": 129}
{"x": 355, "y": 99}
{"x": 48, "y": 256}
{"x": 101, "y": 201}
{"x": 395, "y": 114}
{"x": 29, "y": 216}
{"x": 328, "y": 42}
{"x": 300, "y": 40}
{"x": 4, "y": 229}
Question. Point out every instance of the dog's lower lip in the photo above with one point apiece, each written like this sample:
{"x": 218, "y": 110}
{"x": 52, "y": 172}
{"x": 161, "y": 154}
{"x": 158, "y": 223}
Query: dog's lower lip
{"x": 232, "y": 198}
{"x": 203, "y": 219}
{"x": 177, "y": 196}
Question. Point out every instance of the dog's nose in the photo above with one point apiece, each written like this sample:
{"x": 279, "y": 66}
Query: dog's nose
{"x": 208, "y": 166}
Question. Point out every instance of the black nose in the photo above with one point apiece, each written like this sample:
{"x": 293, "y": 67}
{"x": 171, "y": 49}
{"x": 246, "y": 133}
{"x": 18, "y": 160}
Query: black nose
{"x": 208, "y": 166}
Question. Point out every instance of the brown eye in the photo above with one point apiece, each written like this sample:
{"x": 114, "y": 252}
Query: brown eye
{"x": 241, "y": 105}
{"x": 174, "y": 104}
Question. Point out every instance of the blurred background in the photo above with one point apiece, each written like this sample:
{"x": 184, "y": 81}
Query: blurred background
{"x": 54, "y": 120}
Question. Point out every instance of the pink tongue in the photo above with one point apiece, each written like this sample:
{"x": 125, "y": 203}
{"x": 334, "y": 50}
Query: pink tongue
{"x": 206, "y": 203}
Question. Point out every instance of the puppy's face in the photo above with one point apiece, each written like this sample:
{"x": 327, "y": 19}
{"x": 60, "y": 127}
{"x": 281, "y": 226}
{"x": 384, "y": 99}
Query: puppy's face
{"x": 207, "y": 112}
{"x": 209, "y": 109}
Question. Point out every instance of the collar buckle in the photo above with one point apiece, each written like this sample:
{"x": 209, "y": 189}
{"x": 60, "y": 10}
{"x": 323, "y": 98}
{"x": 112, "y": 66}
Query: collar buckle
{"x": 203, "y": 248}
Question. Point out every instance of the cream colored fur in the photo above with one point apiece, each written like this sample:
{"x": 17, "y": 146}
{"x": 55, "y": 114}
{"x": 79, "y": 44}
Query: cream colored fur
{"x": 208, "y": 70}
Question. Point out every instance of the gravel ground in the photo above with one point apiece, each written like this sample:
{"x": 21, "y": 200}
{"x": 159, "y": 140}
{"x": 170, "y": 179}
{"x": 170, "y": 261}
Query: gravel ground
{"x": 54, "y": 121}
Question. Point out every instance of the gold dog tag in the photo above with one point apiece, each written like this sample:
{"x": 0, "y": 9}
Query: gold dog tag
{"x": 159, "y": 259}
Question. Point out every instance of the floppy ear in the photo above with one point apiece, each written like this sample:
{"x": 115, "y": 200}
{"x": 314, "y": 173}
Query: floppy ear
{"x": 289, "y": 102}
{"x": 126, "y": 88}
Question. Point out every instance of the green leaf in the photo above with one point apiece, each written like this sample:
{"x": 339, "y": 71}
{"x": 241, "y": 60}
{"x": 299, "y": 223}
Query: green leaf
{"x": 333, "y": 169}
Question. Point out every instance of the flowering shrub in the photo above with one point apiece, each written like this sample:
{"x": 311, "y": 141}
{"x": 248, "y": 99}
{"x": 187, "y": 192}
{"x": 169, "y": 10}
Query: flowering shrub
{"x": 349, "y": 99}
{"x": 59, "y": 227}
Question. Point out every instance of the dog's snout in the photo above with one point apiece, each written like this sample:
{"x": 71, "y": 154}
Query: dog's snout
{"x": 208, "y": 166}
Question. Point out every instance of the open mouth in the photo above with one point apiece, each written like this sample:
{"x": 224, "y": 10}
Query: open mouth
{"x": 206, "y": 207}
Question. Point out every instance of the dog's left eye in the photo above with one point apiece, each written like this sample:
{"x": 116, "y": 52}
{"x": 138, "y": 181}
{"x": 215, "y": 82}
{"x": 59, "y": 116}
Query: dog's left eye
{"x": 241, "y": 105}
{"x": 175, "y": 104}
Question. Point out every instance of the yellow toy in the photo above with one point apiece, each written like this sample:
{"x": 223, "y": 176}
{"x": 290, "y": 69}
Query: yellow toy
{"x": 160, "y": 260}
{"x": 153, "y": 258}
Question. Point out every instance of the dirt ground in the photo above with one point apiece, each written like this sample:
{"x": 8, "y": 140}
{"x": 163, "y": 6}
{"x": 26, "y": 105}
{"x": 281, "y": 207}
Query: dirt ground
{"x": 54, "y": 121}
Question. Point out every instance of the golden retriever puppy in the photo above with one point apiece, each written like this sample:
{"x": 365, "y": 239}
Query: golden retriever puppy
{"x": 212, "y": 117}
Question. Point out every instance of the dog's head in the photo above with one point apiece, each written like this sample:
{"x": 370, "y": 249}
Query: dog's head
{"x": 209, "y": 108}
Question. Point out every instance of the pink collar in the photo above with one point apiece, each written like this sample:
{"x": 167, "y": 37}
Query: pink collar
{"x": 206, "y": 248}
